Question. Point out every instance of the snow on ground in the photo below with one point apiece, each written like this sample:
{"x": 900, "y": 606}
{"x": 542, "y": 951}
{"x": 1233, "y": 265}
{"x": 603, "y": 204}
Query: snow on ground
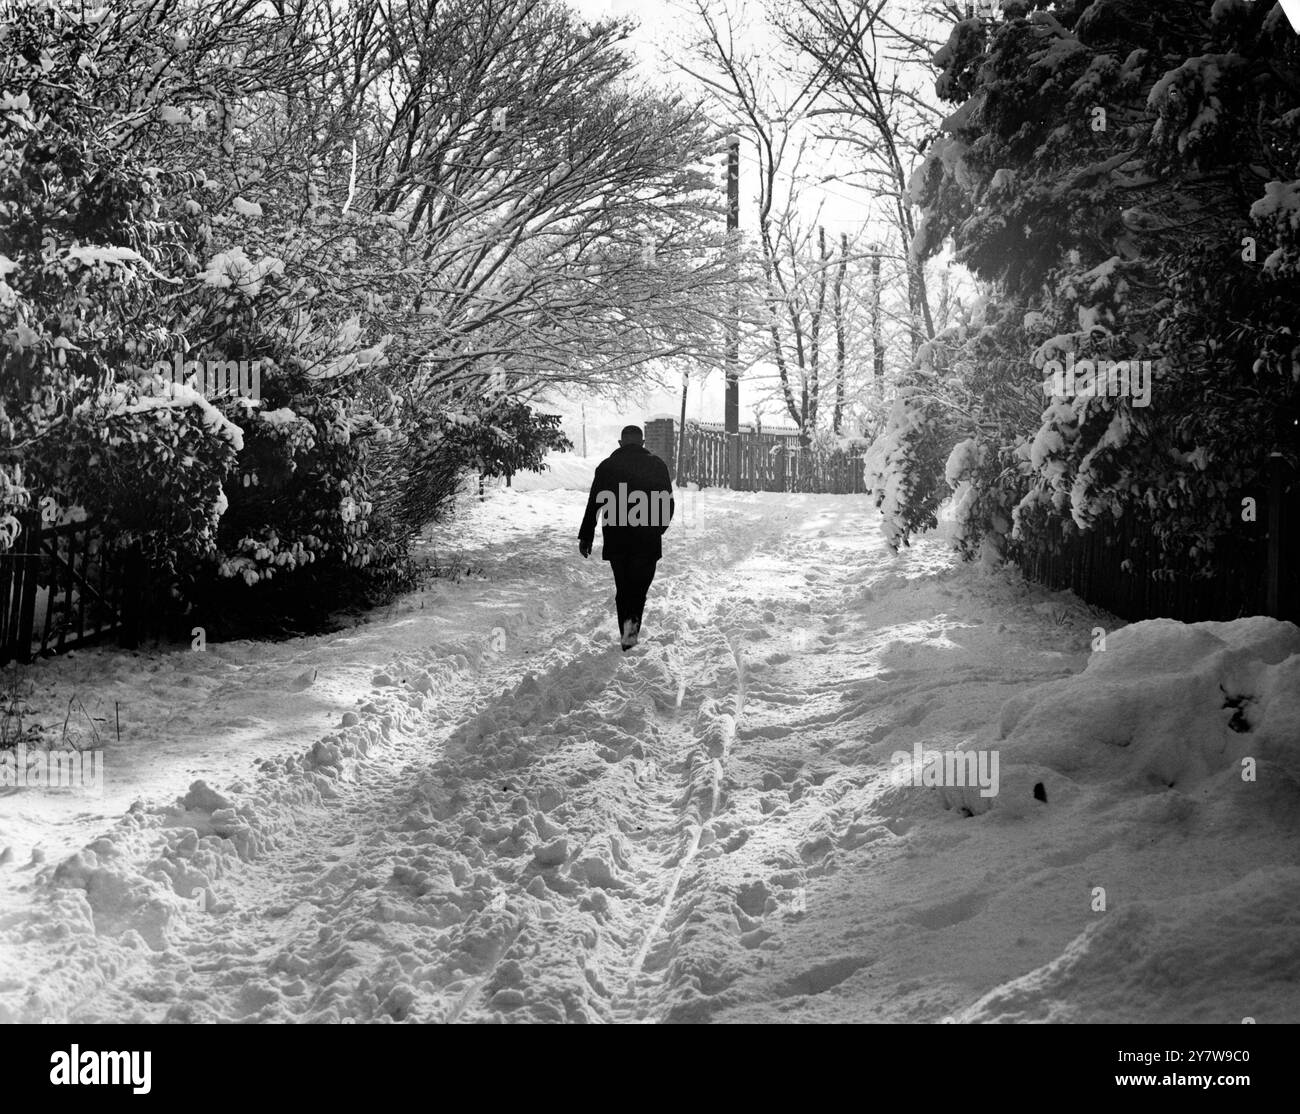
{"x": 563, "y": 471}
{"x": 474, "y": 807}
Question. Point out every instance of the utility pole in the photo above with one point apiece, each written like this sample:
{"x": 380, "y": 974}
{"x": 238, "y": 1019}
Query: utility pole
{"x": 678, "y": 465}
{"x": 731, "y": 410}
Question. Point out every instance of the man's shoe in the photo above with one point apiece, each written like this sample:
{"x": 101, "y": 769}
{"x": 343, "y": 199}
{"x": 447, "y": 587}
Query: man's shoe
{"x": 630, "y": 628}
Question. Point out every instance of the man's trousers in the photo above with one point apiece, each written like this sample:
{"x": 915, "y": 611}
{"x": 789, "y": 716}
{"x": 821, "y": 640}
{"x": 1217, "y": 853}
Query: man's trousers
{"x": 632, "y": 579}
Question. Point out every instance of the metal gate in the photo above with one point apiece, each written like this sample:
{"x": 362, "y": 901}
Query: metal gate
{"x": 60, "y": 587}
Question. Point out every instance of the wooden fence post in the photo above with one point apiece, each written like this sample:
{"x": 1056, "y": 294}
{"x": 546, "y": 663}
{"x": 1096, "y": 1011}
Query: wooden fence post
{"x": 30, "y": 565}
{"x": 18, "y": 591}
{"x": 7, "y": 578}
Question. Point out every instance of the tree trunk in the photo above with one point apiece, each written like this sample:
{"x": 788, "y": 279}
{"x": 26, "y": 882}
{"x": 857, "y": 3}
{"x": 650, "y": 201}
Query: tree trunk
{"x": 814, "y": 360}
{"x": 838, "y": 415}
{"x": 877, "y": 329}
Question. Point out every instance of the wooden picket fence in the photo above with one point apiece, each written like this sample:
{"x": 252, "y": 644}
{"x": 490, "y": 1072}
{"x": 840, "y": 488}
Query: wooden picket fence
{"x": 770, "y": 460}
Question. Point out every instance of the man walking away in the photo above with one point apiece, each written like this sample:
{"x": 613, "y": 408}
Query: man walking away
{"x": 634, "y": 498}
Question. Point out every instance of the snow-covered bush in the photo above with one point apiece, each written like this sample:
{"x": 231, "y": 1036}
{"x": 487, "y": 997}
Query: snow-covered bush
{"x": 1128, "y": 205}
{"x": 502, "y": 437}
{"x": 907, "y": 482}
{"x": 154, "y": 460}
{"x": 130, "y": 231}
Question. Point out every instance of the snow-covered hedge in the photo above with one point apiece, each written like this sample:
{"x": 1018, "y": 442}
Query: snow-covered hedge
{"x": 1121, "y": 205}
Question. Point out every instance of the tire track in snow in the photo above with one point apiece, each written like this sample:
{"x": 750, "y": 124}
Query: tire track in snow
{"x": 727, "y": 723}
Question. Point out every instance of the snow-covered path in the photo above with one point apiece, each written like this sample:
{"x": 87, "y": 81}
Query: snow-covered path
{"x": 513, "y": 820}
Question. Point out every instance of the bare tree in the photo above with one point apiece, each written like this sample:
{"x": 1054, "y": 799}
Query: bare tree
{"x": 760, "y": 103}
{"x": 877, "y": 326}
{"x": 858, "y": 57}
{"x": 557, "y": 223}
{"x": 841, "y": 347}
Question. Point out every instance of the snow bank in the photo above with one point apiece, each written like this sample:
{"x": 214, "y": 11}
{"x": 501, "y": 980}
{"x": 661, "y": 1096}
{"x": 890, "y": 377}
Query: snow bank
{"x": 1164, "y": 705}
{"x": 1185, "y": 735}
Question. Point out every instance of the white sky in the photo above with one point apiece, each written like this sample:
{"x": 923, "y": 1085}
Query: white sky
{"x": 662, "y": 27}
